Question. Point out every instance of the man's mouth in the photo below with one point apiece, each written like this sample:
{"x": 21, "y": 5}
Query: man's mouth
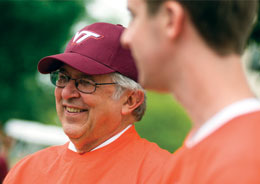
{"x": 74, "y": 110}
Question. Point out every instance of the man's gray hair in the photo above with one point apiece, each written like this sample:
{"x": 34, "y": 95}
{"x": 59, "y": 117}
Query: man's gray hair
{"x": 125, "y": 83}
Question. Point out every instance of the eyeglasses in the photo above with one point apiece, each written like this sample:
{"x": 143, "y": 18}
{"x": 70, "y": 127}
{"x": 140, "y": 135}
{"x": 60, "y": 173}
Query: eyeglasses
{"x": 83, "y": 85}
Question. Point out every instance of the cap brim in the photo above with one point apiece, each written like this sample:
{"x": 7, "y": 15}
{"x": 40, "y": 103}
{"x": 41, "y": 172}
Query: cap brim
{"x": 77, "y": 61}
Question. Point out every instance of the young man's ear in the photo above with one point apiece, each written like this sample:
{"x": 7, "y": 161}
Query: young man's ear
{"x": 133, "y": 100}
{"x": 174, "y": 15}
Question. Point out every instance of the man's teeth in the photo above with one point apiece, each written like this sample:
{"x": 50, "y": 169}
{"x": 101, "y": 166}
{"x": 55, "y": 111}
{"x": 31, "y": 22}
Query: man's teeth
{"x": 73, "y": 110}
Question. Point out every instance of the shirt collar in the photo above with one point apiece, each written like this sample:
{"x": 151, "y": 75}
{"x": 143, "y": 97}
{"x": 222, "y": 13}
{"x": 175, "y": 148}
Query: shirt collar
{"x": 222, "y": 117}
{"x": 110, "y": 140}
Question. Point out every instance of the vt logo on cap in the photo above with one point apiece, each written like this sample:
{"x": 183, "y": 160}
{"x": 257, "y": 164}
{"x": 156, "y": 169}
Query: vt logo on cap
{"x": 95, "y": 57}
{"x": 87, "y": 34}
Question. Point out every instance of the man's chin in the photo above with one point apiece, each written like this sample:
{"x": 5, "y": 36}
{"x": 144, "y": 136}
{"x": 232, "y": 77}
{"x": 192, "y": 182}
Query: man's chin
{"x": 145, "y": 81}
{"x": 151, "y": 85}
{"x": 72, "y": 133}
{"x": 142, "y": 79}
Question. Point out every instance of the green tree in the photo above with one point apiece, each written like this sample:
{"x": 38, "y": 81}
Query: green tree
{"x": 165, "y": 121}
{"x": 29, "y": 31}
{"x": 255, "y": 41}
{"x": 255, "y": 36}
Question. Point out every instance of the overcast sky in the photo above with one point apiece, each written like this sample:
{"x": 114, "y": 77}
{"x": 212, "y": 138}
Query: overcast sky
{"x": 107, "y": 10}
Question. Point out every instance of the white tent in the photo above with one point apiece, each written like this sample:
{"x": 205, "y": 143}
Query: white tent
{"x": 35, "y": 132}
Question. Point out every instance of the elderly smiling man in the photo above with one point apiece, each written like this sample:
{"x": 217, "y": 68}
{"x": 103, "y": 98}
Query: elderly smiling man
{"x": 97, "y": 101}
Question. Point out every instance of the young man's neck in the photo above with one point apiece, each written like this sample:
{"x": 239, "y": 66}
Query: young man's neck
{"x": 210, "y": 84}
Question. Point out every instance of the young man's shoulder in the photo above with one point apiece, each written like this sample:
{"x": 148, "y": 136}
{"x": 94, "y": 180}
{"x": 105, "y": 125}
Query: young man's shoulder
{"x": 228, "y": 155}
{"x": 242, "y": 132}
{"x": 237, "y": 139}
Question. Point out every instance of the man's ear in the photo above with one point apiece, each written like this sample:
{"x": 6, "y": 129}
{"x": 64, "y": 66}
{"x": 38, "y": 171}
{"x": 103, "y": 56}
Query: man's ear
{"x": 174, "y": 14}
{"x": 133, "y": 100}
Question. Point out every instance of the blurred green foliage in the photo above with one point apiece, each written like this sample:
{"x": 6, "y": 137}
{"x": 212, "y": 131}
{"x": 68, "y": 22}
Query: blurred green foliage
{"x": 29, "y": 31}
{"x": 255, "y": 36}
{"x": 255, "y": 48}
{"x": 165, "y": 122}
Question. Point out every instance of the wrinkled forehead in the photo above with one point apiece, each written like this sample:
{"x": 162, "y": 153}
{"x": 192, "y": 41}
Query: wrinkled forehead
{"x": 72, "y": 71}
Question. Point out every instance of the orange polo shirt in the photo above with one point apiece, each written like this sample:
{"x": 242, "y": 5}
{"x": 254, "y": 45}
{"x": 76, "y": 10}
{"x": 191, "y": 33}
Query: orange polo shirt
{"x": 230, "y": 155}
{"x": 129, "y": 159}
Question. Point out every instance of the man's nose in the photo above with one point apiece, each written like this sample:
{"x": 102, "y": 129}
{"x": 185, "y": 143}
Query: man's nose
{"x": 70, "y": 90}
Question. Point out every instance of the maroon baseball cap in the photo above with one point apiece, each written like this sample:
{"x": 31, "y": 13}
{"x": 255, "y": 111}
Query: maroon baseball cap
{"x": 94, "y": 50}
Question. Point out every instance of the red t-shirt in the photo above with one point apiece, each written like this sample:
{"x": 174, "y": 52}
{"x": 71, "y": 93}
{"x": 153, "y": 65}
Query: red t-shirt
{"x": 230, "y": 155}
{"x": 129, "y": 159}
